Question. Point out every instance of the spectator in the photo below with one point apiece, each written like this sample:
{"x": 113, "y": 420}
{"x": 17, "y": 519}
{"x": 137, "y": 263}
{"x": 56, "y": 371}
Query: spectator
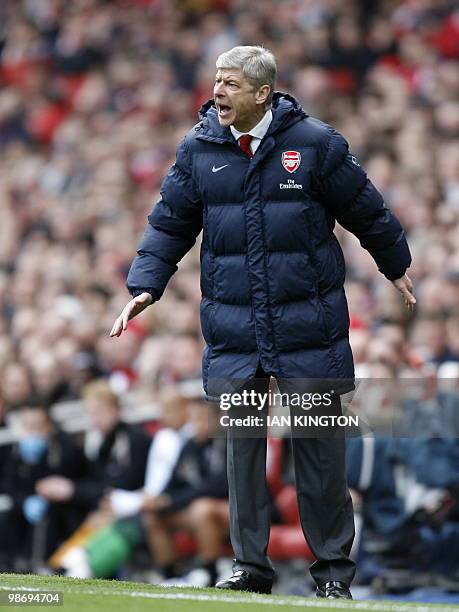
{"x": 117, "y": 454}
{"x": 34, "y": 525}
{"x": 4, "y": 447}
{"x": 17, "y": 386}
{"x": 195, "y": 500}
{"x": 99, "y": 556}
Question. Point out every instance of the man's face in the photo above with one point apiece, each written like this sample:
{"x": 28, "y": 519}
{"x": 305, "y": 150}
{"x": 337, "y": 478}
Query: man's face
{"x": 35, "y": 422}
{"x": 237, "y": 102}
{"x": 103, "y": 416}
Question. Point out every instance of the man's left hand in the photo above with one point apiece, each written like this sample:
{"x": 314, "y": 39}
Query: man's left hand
{"x": 405, "y": 286}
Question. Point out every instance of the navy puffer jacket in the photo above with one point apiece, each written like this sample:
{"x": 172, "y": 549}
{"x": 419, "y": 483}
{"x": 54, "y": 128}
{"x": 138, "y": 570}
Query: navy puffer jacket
{"x": 272, "y": 271}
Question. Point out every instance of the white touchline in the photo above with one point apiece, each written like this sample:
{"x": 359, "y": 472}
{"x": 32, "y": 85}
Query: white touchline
{"x": 375, "y": 606}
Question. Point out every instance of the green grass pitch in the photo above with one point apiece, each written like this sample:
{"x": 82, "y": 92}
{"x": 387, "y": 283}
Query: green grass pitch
{"x": 117, "y": 596}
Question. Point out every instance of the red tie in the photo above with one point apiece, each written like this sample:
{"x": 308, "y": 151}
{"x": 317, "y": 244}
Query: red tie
{"x": 244, "y": 143}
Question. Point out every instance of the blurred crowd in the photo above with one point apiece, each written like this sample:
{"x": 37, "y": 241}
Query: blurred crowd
{"x": 94, "y": 98}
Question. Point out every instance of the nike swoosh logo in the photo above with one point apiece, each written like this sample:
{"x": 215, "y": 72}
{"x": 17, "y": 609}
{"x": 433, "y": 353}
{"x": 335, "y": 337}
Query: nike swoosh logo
{"x": 214, "y": 169}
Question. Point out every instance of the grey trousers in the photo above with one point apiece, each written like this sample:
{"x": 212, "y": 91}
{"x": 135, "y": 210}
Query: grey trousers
{"x": 324, "y": 502}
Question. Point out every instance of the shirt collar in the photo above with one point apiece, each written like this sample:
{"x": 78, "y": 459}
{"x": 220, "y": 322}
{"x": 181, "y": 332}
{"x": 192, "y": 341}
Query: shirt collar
{"x": 259, "y": 130}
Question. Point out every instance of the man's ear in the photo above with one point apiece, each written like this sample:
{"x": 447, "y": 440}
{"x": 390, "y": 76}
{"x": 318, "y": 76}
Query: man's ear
{"x": 262, "y": 94}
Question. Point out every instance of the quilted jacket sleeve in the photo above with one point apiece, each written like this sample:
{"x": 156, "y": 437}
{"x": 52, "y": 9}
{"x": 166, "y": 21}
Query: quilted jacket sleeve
{"x": 359, "y": 207}
{"x": 172, "y": 229}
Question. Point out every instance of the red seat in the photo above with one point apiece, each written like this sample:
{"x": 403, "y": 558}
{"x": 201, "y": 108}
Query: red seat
{"x": 287, "y": 505}
{"x": 287, "y": 542}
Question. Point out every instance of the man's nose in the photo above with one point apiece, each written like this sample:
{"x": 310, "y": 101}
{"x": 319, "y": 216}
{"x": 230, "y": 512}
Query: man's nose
{"x": 218, "y": 89}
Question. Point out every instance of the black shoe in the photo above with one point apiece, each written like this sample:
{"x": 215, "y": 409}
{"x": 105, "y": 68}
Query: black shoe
{"x": 243, "y": 581}
{"x": 334, "y": 590}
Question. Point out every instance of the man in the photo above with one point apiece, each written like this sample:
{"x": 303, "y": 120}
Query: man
{"x": 266, "y": 183}
{"x": 33, "y": 526}
{"x": 121, "y": 531}
{"x": 119, "y": 455}
{"x": 194, "y": 500}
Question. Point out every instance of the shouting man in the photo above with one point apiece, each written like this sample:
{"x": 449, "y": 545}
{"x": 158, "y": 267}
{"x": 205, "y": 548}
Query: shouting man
{"x": 266, "y": 182}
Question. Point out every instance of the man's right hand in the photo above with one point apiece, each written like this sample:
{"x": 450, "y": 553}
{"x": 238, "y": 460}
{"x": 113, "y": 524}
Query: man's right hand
{"x": 405, "y": 286}
{"x": 55, "y": 488}
{"x": 131, "y": 310}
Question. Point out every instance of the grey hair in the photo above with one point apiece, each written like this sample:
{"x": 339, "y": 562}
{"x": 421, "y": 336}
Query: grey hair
{"x": 257, "y": 64}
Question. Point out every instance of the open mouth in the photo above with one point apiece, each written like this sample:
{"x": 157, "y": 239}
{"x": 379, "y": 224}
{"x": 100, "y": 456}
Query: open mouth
{"x": 223, "y": 110}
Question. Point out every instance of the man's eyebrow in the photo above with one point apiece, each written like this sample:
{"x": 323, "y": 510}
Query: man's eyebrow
{"x": 230, "y": 77}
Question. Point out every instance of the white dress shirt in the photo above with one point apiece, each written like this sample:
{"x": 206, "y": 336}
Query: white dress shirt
{"x": 258, "y": 132}
{"x": 163, "y": 456}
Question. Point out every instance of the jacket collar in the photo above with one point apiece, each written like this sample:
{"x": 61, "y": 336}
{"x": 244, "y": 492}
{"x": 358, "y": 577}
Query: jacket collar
{"x": 259, "y": 130}
{"x": 286, "y": 111}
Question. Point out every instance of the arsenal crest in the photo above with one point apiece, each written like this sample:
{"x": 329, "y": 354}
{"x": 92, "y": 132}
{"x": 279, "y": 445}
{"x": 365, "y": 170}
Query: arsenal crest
{"x": 291, "y": 160}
